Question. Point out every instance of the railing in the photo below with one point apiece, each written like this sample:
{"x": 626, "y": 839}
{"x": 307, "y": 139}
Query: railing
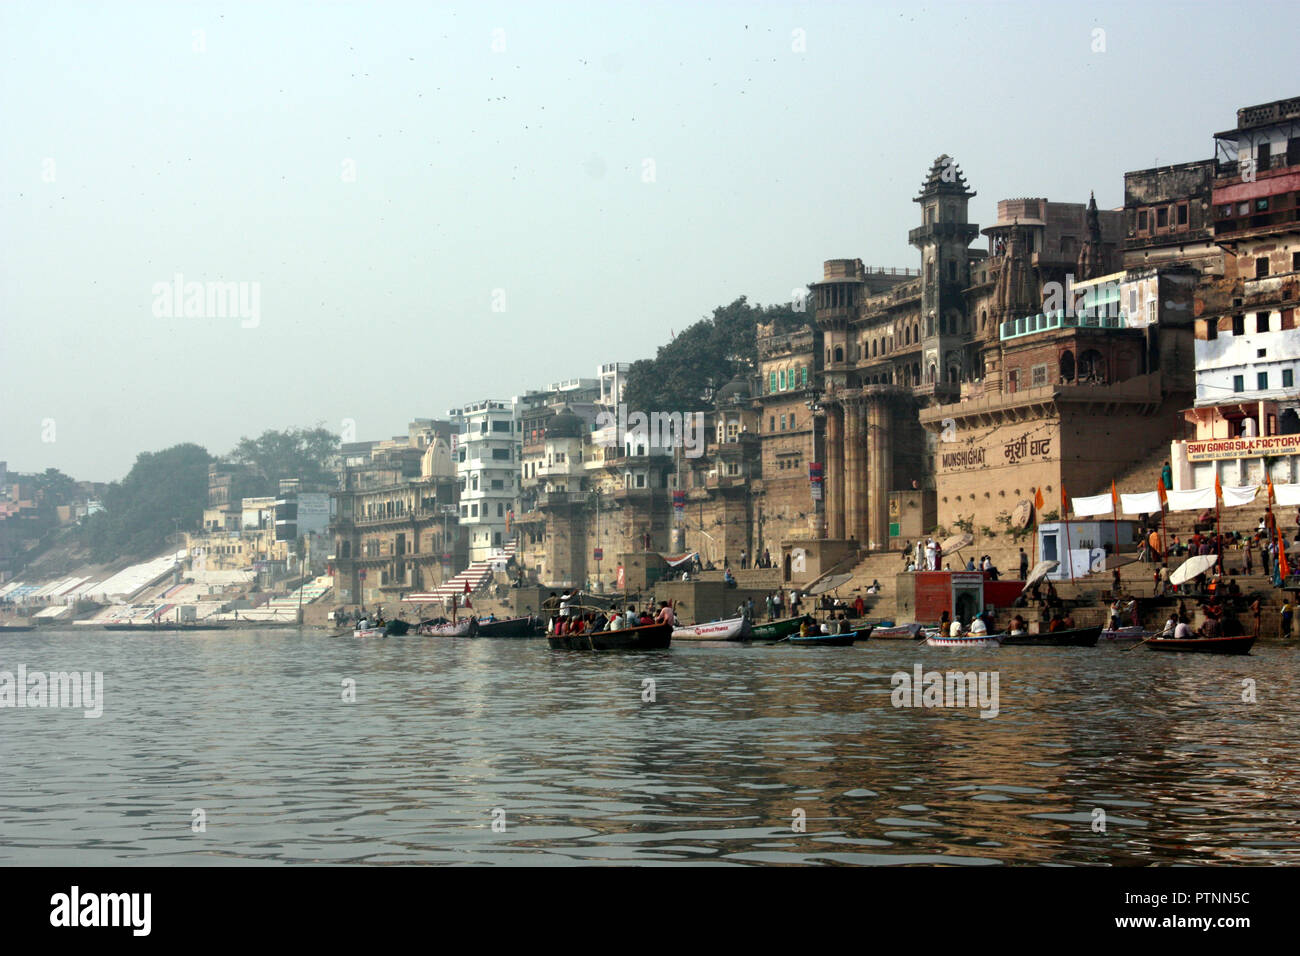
{"x": 1059, "y": 319}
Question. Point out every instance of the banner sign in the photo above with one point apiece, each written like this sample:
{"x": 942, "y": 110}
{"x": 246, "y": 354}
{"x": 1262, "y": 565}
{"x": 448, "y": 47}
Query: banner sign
{"x": 815, "y": 477}
{"x": 1217, "y": 449}
{"x": 679, "y": 500}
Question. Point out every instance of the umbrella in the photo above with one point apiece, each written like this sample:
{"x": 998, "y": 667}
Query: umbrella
{"x": 957, "y": 542}
{"x": 830, "y": 583}
{"x": 1041, "y": 570}
{"x": 1193, "y": 567}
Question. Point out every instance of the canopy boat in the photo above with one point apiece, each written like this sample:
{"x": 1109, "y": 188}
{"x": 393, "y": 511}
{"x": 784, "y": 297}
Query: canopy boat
{"x": 645, "y": 637}
{"x": 967, "y": 640}
{"x": 730, "y": 629}
{"x": 1204, "y": 645}
{"x": 824, "y": 640}
{"x": 1073, "y": 637}
{"x": 775, "y": 630}
{"x": 512, "y": 627}
{"x": 897, "y": 632}
{"x": 1133, "y": 632}
{"x": 440, "y": 627}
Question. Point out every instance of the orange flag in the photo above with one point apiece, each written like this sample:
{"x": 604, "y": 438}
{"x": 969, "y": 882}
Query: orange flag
{"x": 1160, "y": 490}
{"x": 1065, "y": 504}
{"x": 1218, "y": 489}
{"x": 1114, "y": 496}
{"x": 1270, "y": 489}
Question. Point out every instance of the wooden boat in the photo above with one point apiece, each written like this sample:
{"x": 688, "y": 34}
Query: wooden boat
{"x": 730, "y": 629}
{"x": 824, "y": 640}
{"x": 1073, "y": 637}
{"x": 864, "y": 632}
{"x": 968, "y": 640}
{"x": 775, "y": 630}
{"x": 163, "y": 626}
{"x": 1133, "y": 632}
{"x": 1204, "y": 645}
{"x": 897, "y": 632}
{"x": 435, "y": 628}
{"x": 511, "y": 627}
{"x": 387, "y": 629}
{"x": 645, "y": 637}
{"x": 14, "y": 628}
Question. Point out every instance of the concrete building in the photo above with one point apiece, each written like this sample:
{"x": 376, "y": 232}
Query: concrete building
{"x": 487, "y": 452}
{"x": 396, "y": 521}
{"x": 1246, "y": 412}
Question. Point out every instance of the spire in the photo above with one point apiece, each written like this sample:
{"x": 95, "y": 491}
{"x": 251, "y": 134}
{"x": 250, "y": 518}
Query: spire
{"x": 1092, "y": 255}
{"x": 945, "y": 176}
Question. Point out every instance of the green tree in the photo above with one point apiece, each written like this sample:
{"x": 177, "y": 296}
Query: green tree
{"x": 294, "y": 453}
{"x": 165, "y": 492}
{"x": 704, "y": 357}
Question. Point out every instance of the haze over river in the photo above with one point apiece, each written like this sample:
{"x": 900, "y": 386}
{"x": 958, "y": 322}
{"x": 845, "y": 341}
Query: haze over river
{"x": 252, "y": 729}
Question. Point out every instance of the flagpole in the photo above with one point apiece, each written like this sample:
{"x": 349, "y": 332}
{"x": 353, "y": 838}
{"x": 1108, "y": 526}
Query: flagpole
{"x": 1218, "y": 534}
{"x": 1065, "y": 513}
{"x": 1114, "y": 510}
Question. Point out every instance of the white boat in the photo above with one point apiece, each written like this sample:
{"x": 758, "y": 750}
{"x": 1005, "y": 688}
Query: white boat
{"x": 459, "y": 628}
{"x": 368, "y": 632}
{"x": 1131, "y": 633}
{"x": 968, "y": 640}
{"x": 898, "y": 632}
{"x": 731, "y": 629}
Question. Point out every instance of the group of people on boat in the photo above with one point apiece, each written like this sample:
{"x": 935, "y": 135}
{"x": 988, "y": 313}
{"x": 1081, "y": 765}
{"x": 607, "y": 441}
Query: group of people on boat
{"x": 578, "y": 620}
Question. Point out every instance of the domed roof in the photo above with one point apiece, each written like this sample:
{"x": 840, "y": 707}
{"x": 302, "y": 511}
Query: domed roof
{"x": 565, "y": 424}
{"x": 737, "y": 390}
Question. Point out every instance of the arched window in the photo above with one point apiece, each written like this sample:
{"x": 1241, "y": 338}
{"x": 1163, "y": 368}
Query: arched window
{"x": 839, "y": 354}
{"x": 1067, "y": 366}
{"x": 984, "y": 318}
{"x": 1092, "y": 366}
{"x": 873, "y": 349}
{"x": 782, "y": 380}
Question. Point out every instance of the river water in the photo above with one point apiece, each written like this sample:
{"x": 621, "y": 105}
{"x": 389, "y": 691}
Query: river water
{"x": 240, "y": 747}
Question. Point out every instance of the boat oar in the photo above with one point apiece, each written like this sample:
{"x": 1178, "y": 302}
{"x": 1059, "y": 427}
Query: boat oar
{"x": 1140, "y": 643}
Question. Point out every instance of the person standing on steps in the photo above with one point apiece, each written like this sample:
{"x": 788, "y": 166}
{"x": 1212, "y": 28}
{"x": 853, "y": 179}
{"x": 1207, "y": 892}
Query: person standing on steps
{"x": 1024, "y": 564}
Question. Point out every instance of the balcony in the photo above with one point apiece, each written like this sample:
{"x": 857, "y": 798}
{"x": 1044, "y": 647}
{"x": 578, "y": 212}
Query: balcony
{"x": 1059, "y": 319}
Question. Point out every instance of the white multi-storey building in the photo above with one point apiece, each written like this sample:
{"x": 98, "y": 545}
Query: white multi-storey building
{"x": 487, "y": 447}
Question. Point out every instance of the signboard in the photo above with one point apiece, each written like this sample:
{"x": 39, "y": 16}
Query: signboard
{"x": 598, "y": 554}
{"x": 815, "y": 478}
{"x": 1217, "y": 449}
{"x": 1013, "y": 451}
{"x": 679, "y": 500}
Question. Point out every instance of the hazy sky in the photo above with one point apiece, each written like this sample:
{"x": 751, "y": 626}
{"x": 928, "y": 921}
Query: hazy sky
{"x": 383, "y": 175}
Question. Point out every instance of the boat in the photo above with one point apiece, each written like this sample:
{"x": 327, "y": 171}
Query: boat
{"x": 443, "y": 628}
{"x": 1132, "y": 632}
{"x": 730, "y": 629}
{"x": 863, "y": 632}
{"x": 163, "y": 626}
{"x": 1073, "y": 637}
{"x": 511, "y": 627}
{"x": 824, "y": 640}
{"x": 1204, "y": 645}
{"x": 897, "y": 632}
{"x": 387, "y": 629}
{"x": 645, "y": 637}
{"x": 14, "y": 628}
{"x": 775, "y": 630}
{"x": 967, "y": 640}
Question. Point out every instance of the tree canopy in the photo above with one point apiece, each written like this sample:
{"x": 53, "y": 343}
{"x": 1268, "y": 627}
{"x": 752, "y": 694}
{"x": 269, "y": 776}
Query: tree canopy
{"x": 704, "y": 357}
{"x": 165, "y": 492}
{"x": 305, "y": 453}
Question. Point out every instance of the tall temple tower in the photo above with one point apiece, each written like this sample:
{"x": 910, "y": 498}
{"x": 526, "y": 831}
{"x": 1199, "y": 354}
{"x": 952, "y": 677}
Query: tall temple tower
{"x": 943, "y": 238}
